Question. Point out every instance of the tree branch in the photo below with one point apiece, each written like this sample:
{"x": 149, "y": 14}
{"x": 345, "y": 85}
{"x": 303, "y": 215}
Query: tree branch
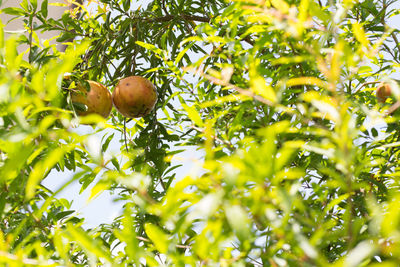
{"x": 183, "y": 16}
{"x": 190, "y": 18}
{"x": 148, "y": 240}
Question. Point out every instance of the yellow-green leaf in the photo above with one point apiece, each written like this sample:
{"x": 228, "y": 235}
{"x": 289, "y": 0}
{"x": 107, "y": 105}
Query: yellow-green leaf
{"x": 360, "y": 34}
{"x": 41, "y": 168}
{"x": 87, "y": 242}
{"x": 193, "y": 115}
{"x": 158, "y": 237}
{"x": 307, "y": 81}
{"x": 281, "y": 5}
{"x": 98, "y": 189}
{"x": 259, "y": 86}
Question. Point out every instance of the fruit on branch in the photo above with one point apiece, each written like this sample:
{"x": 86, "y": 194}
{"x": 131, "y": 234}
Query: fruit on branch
{"x": 134, "y": 96}
{"x": 383, "y": 91}
{"x": 97, "y": 99}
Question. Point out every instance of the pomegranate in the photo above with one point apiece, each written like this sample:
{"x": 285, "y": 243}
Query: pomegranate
{"x": 383, "y": 92}
{"x": 98, "y": 99}
{"x": 134, "y": 96}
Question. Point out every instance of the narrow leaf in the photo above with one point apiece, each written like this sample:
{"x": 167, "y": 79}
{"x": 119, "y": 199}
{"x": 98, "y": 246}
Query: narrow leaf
{"x": 158, "y": 237}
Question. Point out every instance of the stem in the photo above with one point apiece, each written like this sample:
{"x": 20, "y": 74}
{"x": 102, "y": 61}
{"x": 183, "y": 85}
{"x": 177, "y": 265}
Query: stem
{"x": 384, "y": 6}
{"x": 364, "y": 84}
{"x": 148, "y": 240}
{"x": 164, "y": 7}
{"x": 163, "y": 185}
{"x": 30, "y": 38}
{"x": 126, "y": 144}
{"x": 135, "y": 50}
{"x": 351, "y": 214}
{"x": 229, "y": 144}
{"x": 26, "y": 261}
{"x": 256, "y": 263}
{"x": 183, "y": 16}
{"x": 393, "y": 108}
{"x": 300, "y": 65}
{"x": 249, "y": 93}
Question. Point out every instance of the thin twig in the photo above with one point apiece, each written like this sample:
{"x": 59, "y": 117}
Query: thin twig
{"x": 214, "y": 136}
{"x": 386, "y": 26}
{"x": 162, "y": 184}
{"x": 299, "y": 64}
{"x": 184, "y": 16}
{"x": 164, "y": 7}
{"x": 249, "y": 93}
{"x": 135, "y": 51}
{"x": 126, "y": 143}
{"x": 364, "y": 84}
{"x": 30, "y": 39}
{"x": 239, "y": 90}
{"x": 395, "y": 40}
{"x": 27, "y": 261}
{"x": 251, "y": 258}
{"x": 393, "y": 108}
{"x": 148, "y": 240}
{"x": 350, "y": 234}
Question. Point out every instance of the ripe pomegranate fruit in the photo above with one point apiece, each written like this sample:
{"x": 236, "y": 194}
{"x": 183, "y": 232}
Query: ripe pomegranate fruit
{"x": 383, "y": 92}
{"x": 134, "y": 96}
{"x": 98, "y": 99}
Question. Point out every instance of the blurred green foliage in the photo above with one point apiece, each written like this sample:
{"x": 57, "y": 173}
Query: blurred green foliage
{"x": 300, "y": 162}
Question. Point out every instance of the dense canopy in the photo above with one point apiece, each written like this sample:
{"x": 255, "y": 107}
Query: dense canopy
{"x": 298, "y": 156}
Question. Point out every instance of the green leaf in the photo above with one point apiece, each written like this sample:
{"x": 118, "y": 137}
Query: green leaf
{"x": 360, "y": 34}
{"x": 65, "y": 36}
{"x": 259, "y": 85}
{"x": 60, "y": 244}
{"x": 99, "y": 188}
{"x": 34, "y": 4}
{"x": 158, "y": 237}
{"x": 106, "y": 143}
{"x": 17, "y": 157}
{"x": 239, "y": 221}
{"x": 79, "y": 106}
{"x": 42, "y": 168}
{"x": 87, "y": 242}
{"x": 193, "y": 115}
{"x": 150, "y": 47}
{"x": 183, "y": 52}
{"x": 15, "y": 11}
{"x": 63, "y": 214}
{"x": 128, "y": 235}
{"x": 43, "y": 8}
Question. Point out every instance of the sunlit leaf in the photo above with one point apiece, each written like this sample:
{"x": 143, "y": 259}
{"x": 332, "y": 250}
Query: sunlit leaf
{"x": 158, "y": 237}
